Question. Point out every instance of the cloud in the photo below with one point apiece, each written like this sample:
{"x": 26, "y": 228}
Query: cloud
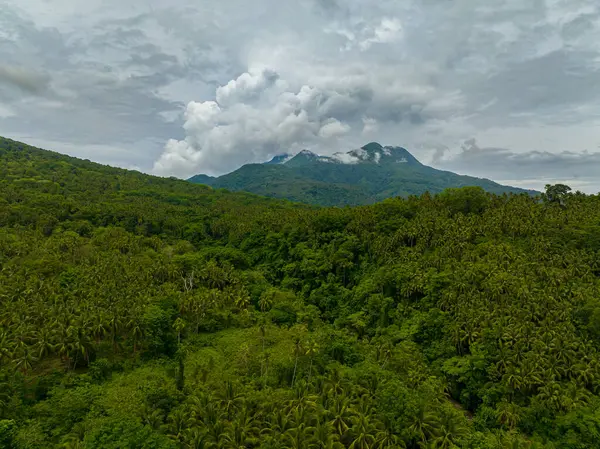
{"x": 346, "y": 158}
{"x": 388, "y": 30}
{"x": 180, "y": 85}
{"x": 535, "y": 168}
{"x": 259, "y": 114}
{"x": 24, "y": 79}
{"x": 333, "y": 128}
{"x": 235, "y": 130}
{"x": 370, "y": 125}
{"x": 246, "y": 87}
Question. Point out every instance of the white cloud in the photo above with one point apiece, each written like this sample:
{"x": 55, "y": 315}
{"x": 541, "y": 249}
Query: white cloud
{"x": 333, "y": 128}
{"x": 345, "y": 158}
{"x": 225, "y": 84}
{"x": 370, "y": 125}
{"x": 246, "y": 87}
{"x": 388, "y": 30}
{"x": 260, "y": 113}
{"x": 226, "y": 132}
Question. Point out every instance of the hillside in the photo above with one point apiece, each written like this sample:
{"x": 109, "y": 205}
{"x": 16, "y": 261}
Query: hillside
{"x": 363, "y": 176}
{"x": 143, "y": 312}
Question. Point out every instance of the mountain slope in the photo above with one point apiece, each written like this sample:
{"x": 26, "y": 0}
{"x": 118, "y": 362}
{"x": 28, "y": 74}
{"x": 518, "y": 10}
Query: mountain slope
{"x": 146, "y": 312}
{"x": 361, "y": 176}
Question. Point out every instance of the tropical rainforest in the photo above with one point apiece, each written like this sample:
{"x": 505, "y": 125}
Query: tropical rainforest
{"x": 146, "y": 312}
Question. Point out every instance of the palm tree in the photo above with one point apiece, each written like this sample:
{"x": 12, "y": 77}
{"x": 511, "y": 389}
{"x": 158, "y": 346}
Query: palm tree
{"x": 179, "y": 326}
{"x": 451, "y": 428}
{"x": 98, "y": 327}
{"x": 334, "y": 383}
{"x": 6, "y": 347}
{"x": 216, "y": 434}
{"x": 297, "y": 351}
{"x": 196, "y": 438}
{"x": 323, "y": 436}
{"x": 242, "y": 300}
{"x": 424, "y": 425}
{"x": 80, "y": 343}
{"x": 178, "y": 422}
{"x": 507, "y": 414}
{"x": 363, "y": 433}
{"x": 230, "y": 398}
{"x": 242, "y": 431}
{"x": 279, "y": 423}
{"x": 44, "y": 342}
{"x": 115, "y": 323}
{"x": 312, "y": 348}
{"x": 342, "y": 416}
{"x": 385, "y": 438}
{"x": 5, "y": 394}
{"x": 266, "y": 301}
{"x": 298, "y": 436}
{"x": 24, "y": 360}
{"x": 136, "y": 329}
{"x": 152, "y": 417}
{"x": 302, "y": 398}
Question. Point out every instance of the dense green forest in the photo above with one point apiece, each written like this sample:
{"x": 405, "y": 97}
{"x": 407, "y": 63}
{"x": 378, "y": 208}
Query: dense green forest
{"x": 377, "y": 173}
{"x": 142, "y": 312}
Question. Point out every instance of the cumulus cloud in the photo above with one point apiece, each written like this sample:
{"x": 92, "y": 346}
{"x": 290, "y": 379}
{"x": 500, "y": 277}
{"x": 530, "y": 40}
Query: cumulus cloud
{"x": 259, "y": 114}
{"x": 247, "y": 87}
{"x": 223, "y": 133}
{"x": 183, "y": 86}
{"x": 333, "y": 128}
{"x": 264, "y": 119}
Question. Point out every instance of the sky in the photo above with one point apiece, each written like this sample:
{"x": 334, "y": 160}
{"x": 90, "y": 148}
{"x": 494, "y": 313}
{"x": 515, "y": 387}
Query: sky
{"x": 506, "y": 89}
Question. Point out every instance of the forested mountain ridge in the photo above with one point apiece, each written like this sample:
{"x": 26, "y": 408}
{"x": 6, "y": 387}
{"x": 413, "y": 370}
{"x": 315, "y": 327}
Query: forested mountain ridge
{"x": 144, "y": 312}
{"x": 362, "y": 176}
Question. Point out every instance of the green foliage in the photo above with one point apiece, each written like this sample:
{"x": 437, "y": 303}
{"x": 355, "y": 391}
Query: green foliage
{"x": 138, "y": 311}
{"x": 466, "y": 200}
{"x": 122, "y": 432}
{"x": 7, "y": 433}
{"x": 158, "y": 333}
{"x": 556, "y": 193}
{"x": 384, "y": 173}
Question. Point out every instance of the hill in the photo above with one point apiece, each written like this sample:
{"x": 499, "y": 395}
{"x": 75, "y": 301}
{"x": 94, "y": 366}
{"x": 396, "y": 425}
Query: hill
{"x": 143, "y": 312}
{"x": 363, "y": 176}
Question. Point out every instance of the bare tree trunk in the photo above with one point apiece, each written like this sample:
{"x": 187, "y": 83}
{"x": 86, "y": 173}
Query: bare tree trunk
{"x": 295, "y": 367}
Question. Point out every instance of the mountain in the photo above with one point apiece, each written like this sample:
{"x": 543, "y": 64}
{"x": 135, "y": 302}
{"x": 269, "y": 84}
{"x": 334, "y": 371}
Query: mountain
{"x": 202, "y": 179}
{"x": 361, "y": 176}
{"x": 139, "y": 311}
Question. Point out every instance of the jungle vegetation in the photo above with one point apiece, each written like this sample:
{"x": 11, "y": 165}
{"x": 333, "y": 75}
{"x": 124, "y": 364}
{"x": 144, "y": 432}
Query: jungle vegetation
{"x": 143, "y": 312}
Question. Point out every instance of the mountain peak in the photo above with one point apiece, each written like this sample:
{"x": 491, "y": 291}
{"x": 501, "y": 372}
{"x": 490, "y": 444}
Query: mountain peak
{"x": 280, "y": 159}
{"x": 376, "y": 153}
{"x": 302, "y": 158}
{"x": 360, "y": 176}
{"x": 400, "y": 155}
{"x": 372, "y": 147}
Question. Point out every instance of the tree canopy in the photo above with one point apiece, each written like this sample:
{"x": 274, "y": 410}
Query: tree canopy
{"x": 143, "y": 312}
